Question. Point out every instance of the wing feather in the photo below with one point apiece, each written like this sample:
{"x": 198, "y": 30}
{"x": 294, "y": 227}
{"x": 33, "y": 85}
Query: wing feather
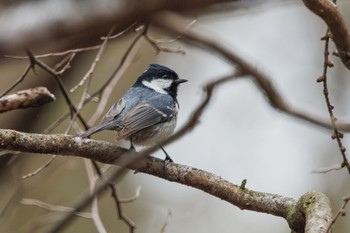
{"x": 115, "y": 110}
{"x": 140, "y": 117}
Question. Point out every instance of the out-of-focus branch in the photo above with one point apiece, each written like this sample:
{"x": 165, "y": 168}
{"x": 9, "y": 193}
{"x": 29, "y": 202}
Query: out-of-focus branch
{"x": 313, "y": 204}
{"x": 30, "y": 98}
{"x": 175, "y": 23}
{"x": 47, "y": 206}
{"x": 43, "y": 21}
{"x": 328, "y": 11}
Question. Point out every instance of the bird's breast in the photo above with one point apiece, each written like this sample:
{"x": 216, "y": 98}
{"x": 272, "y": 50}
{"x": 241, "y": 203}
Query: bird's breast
{"x": 154, "y": 134}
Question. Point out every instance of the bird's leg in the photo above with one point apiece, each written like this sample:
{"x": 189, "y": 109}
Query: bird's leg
{"x": 167, "y": 157}
{"x": 132, "y": 148}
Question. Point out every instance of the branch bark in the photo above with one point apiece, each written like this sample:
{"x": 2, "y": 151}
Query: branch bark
{"x": 311, "y": 212}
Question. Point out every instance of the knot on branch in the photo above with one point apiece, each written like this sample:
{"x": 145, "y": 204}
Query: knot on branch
{"x": 312, "y": 213}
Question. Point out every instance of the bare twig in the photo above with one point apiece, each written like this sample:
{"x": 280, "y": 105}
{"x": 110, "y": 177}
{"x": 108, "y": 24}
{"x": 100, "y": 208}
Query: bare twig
{"x": 133, "y": 198}
{"x": 336, "y": 133}
{"x": 166, "y": 222}
{"x": 18, "y": 81}
{"x": 42, "y": 167}
{"x": 335, "y": 167}
{"x": 117, "y": 201}
{"x": 30, "y": 98}
{"x": 341, "y": 212}
{"x": 94, "y": 206}
{"x": 121, "y": 215}
{"x": 106, "y": 89}
{"x": 57, "y": 77}
{"x": 58, "y": 54}
{"x": 159, "y": 48}
{"x": 87, "y": 77}
{"x": 58, "y": 208}
{"x": 121, "y": 32}
{"x": 155, "y": 42}
{"x": 67, "y": 60}
{"x": 89, "y": 73}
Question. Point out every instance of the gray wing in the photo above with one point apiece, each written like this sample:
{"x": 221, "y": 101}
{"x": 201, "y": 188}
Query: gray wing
{"x": 140, "y": 117}
{"x": 115, "y": 110}
{"x": 107, "y": 122}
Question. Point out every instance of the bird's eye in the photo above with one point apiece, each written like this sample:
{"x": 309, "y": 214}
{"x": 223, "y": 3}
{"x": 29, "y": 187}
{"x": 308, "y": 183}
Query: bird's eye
{"x": 165, "y": 76}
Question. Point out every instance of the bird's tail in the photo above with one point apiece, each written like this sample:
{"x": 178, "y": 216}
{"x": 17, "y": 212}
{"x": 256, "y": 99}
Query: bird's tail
{"x": 90, "y": 131}
{"x": 105, "y": 125}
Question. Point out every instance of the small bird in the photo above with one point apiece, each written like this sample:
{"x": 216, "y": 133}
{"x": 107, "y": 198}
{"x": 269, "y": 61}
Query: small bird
{"x": 147, "y": 112}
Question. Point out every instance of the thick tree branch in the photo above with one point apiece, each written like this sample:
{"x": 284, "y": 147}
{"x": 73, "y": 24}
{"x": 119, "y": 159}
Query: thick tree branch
{"x": 29, "y": 98}
{"x": 310, "y": 205}
{"x": 109, "y": 153}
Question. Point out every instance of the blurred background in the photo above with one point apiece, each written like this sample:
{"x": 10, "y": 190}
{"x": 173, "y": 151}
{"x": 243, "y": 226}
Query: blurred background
{"x": 239, "y": 136}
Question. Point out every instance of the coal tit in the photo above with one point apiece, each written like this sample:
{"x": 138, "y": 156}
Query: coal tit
{"x": 147, "y": 112}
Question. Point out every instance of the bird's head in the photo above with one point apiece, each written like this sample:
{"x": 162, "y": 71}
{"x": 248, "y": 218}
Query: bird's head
{"x": 161, "y": 79}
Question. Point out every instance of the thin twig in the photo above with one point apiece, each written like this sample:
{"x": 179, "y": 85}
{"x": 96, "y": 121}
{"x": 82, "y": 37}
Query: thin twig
{"x": 335, "y": 167}
{"x": 133, "y": 198}
{"x": 18, "y": 81}
{"x": 58, "y": 80}
{"x": 166, "y": 222}
{"x": 58, "y": 54}
{"x": 106, "y": 89}
{"x": 68, "y": 60}
{"x": 94, "y": 205}
{"x": 155, "y": 42}
{"x": 58, "y": 208}
{"x": 88, "y": 75}
{"x": 121, "y": 215}
{"x": 336, "y": 133}
{"x": 111, "y": 186}
{"x": 341, "y": 212}
{"x": 42, "y": 167}
{"x": 120, "y": 33}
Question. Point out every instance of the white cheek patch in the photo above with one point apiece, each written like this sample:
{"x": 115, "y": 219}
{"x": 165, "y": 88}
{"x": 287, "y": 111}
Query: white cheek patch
{"x": 158, "y": 85}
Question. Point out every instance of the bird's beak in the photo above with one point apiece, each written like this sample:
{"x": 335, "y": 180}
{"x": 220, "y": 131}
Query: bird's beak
{"x": 180, "y": 80}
